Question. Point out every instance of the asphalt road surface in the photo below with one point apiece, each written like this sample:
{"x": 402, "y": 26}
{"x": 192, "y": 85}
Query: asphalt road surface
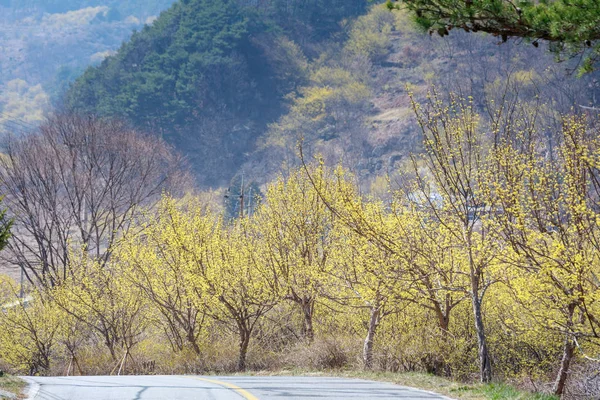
{"x": 217, "y": 388}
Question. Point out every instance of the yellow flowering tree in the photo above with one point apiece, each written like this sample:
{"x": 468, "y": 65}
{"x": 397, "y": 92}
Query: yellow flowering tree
{"x": 241, "y": 285}
{"x": 549, "y": 203}
{"x": 29, "y": 329}
{"x": 450, "y": 188}
{"x": 296, "y": 227}
{"x": 102, "y": 299}
{"x": 158, "y": 261}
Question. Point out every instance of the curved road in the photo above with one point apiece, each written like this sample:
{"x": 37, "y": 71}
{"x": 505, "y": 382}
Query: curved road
{"x": 217, "y": 388}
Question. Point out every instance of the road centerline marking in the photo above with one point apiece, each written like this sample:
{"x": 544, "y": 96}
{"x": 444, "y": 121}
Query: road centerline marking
{"x": 241, "y": 391}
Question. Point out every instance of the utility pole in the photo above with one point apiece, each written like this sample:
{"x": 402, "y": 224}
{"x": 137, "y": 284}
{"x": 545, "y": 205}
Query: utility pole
{"x": 242, "y": 198}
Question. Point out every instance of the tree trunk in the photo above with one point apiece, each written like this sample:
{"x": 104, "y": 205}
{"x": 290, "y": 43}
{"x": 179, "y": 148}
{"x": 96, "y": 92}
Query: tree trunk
{"x": 568, "y": 351}
{"x": 244, "y": 341}
{"x": 191, "y": 337}
{"x": 563, "y": 373}
{"x": 439, "y": 365}
{"x": 111, "y": 347}
{"x": 307, "y": 312}
{"x": 370, "y": 339}
{"x": 485, "y": 365}
{"x": 78, "y": 366}
{"x": 443, "y": 320}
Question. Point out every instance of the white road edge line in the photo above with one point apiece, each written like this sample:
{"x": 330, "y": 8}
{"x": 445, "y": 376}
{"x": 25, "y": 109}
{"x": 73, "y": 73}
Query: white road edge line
{"x": 410, "y": 388}
{"x": 429, "y": 392}
{"x": 33, "y": 388}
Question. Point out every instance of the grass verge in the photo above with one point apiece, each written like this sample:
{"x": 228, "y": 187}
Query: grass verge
{"x": 13, "y": 384}
{"x": 455, "y": 390}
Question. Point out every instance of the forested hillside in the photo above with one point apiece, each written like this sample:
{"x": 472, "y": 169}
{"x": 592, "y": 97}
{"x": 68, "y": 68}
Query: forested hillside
{"x": 354, "y": 107}
{"x": 234, "y": 85}
{"x": 209, "y": 75}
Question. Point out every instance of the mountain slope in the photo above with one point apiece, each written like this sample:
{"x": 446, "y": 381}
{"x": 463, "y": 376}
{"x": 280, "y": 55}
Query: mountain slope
{"x": 31, "y": 8}
{"x": 44, "y": 45}
{"x": 236, "y": 87}
{"x": 209, "y": 75}
{"x": 355, "y": 108}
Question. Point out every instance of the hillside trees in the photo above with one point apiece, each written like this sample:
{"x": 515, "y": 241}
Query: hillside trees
{"x": 79, "y": 181}
{"x": 296, "y": 228}
{"x": 336, "y": 96}
{"x": 369, "y": 35}
{"x": 193, "y": 77}
{"x": 452, "y": 191}
{"x": 24, "y": 102}
{"x": 61, "y": 6}
{"x": 47, "y": 45}
{"x": 550, "y": 221}
{"x": 157, "y": 261}
{"x": 312, "y": 20}
{"x": 209, "y": 75}
{"x": 189, "y": 55}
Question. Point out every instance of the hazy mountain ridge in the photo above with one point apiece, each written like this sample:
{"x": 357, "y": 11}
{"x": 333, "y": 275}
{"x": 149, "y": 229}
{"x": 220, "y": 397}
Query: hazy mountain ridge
{"x": 19, "y": 9}
{"x": 45, "y": 45}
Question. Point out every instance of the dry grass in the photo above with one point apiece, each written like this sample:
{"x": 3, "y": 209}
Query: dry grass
{"x": 13, "y": 384}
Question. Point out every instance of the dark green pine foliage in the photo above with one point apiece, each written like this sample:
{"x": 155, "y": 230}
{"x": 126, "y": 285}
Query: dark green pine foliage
{"x": 198, "y": 60}
{"x": 572, "y": 26}
{"x": 313, "y": 20}
{"x": 186, "y": 64}
{"x": 5, "y": 225}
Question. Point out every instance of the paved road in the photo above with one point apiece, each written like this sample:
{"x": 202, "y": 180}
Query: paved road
{"x": 218, "y": 388}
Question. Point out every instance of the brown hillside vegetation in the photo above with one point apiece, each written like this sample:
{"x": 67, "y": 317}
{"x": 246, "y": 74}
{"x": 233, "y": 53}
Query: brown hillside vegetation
{"x": 360, "y": 113}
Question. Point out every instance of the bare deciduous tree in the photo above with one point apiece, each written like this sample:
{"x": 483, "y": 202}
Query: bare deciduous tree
{"x": 79, "y": 180}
